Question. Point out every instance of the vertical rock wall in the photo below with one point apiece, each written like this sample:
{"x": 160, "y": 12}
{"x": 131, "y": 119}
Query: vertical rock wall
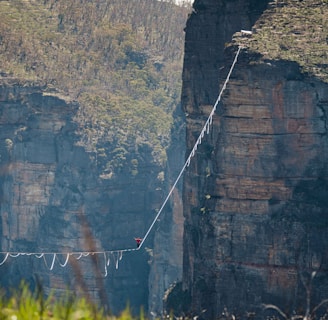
{"x": 255, "y": 195}
{"x": 53, "y": 200}
{"x": 208, "y": 29}
{"x": 166, "y": 260}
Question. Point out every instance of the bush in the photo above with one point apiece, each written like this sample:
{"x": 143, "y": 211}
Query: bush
{"x": 23, "y": 304}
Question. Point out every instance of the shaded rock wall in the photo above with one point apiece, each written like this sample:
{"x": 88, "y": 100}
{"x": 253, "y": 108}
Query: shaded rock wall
{"x": 208, "y": 29}
{"x": 166, "y": 261}
{"x": 52, "y": 199}
{"x": 255, "y": 194}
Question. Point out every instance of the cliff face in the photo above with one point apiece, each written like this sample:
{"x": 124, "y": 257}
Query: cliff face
{"x": 53, "y": 200}
{"x": 255, "y": 195}
{"x": 208, "y": 29}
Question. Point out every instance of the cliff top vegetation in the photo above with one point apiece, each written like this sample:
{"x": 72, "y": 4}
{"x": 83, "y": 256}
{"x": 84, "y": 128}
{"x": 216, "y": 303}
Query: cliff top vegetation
{"x": 121, "y": 60}
{"x": 294, "y": 30}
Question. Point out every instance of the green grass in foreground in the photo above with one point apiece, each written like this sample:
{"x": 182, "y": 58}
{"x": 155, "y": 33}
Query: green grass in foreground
{"x": 23, "y": 304}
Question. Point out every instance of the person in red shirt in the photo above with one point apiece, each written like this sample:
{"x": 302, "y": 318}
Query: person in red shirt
{"x": 138, "y": 241}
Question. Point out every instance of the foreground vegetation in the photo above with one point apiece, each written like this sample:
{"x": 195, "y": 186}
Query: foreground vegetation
{"x": 24, "y": 304}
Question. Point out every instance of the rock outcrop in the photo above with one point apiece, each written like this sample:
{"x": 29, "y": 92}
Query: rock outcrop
{"x": 255, "y": 194}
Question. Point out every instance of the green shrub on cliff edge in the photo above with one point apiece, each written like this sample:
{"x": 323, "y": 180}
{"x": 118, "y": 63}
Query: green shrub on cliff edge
{"x": 294, "y": 30}
{"x": 23, "y": 304}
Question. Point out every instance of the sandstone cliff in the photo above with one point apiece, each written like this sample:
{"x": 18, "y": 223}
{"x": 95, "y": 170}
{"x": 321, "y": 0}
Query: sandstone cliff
{"x": 255, "y": 195}
{"x": 52, "y": 199}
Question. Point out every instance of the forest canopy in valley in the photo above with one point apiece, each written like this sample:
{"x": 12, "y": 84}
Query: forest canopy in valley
{"x": 121, "y": 60}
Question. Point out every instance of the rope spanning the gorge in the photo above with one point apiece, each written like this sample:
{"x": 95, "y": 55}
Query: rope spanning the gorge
{"x": 117, "y": 254}
{"x": 206, "y": 129}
